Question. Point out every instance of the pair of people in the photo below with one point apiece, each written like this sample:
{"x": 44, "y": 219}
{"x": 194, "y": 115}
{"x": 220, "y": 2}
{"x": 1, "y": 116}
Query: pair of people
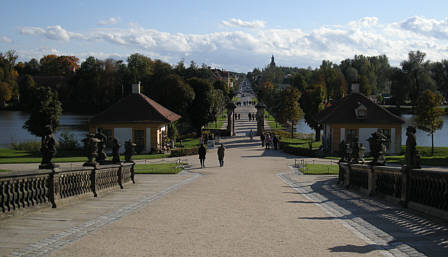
{"x": 203, "y": 152}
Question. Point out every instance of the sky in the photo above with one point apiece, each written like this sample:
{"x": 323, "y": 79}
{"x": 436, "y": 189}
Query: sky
{"x": 232, "y": 35}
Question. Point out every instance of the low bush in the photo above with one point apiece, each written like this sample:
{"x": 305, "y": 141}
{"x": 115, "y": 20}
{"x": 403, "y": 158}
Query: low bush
{"x": 67, "y": 142}
{"x": 184, "y": 151}
{"x": 29, "y": 146}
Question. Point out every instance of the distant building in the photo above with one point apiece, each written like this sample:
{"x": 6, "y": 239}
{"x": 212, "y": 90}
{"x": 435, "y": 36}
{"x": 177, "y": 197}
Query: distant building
{"x": 356, "y": 116}
{"x": 135, "y": 117}
{"x": 272, "y": 64}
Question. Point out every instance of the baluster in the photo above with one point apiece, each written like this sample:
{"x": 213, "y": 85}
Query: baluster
{"x": 2, "y": 197}
{"x": 21, "y": 194}
{"x": 40, "y": 189}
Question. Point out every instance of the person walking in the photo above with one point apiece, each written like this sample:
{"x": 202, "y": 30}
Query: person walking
{"x": 275, "y": 142}
{"x": 221, "y": 150}
{"x": 267, "y": 141}
{"x": 202, "y": 152}
{"x": 262, "y": 138}
{"x": 251, "y": 135}
{"x": 250, "y": 116}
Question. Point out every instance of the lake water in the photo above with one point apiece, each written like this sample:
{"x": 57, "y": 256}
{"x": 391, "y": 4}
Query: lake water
{"x": 11, "y": 130}
{"x": 423, "y": 138}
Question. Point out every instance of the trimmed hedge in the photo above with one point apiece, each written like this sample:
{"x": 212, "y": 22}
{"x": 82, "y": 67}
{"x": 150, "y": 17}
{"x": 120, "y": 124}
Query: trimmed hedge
{"x": 184, "y": 151}
{"x": 298, "y": 150}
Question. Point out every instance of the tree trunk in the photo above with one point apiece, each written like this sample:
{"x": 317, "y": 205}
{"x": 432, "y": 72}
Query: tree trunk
{"x": 317, "y": 134}
{"x": 432, "y": 143}
{"x": 292, "y": 129}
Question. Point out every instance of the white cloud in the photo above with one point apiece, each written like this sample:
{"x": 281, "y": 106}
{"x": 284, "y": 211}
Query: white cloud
{"x": 5, "y": 39}
{"x": 244, "y": 24}
{"x": 110, "y": 21}
{"x": 51, "y": 32}
{"x": 245, "y": 50}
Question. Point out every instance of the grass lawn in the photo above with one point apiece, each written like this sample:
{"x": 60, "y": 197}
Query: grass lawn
{"x": 158, "y": 168}
{"x": 219, "y": 122}
{"x": 300, "y": 143}
{"x": 16, "y": 156}
{"x": 320, "y": 169}
{"x": 189, "y": 142}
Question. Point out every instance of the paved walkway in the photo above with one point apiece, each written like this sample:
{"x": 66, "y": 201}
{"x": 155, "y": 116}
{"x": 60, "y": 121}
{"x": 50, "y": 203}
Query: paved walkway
{"x": 253, "y": 206}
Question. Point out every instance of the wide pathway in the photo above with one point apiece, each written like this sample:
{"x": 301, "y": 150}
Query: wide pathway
{"x": 253, "y": 206}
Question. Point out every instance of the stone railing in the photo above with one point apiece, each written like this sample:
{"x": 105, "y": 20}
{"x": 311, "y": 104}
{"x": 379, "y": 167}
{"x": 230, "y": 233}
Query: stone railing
{"x": 423, "y": 190}
{"x": 26, "y": 189}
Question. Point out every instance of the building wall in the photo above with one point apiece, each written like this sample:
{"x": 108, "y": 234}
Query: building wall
{"x": 364, "y": 131}
{"x": 124, "y": 132}
{"x": 123, "y": 135}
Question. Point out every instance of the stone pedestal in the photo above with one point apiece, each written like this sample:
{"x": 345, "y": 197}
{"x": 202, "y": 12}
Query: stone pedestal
{"x": 260, "y": 118}
{"x": 230, "y": 119}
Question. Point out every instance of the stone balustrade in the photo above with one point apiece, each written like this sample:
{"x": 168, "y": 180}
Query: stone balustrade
{"x": 420, "y": 189}
{"x": 38, "y": 188}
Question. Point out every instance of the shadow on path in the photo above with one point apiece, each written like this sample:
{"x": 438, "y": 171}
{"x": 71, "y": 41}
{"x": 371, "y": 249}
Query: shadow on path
{"x": 390, "y": 227}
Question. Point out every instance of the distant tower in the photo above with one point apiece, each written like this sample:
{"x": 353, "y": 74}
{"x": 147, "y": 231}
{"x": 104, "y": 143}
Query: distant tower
{"x": 272, "y": 64}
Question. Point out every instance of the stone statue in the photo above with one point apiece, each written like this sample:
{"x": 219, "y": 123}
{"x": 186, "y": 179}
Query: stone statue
{"x": 355, "y": 150}
{"x": 129, "y": 150}
{"x": 115, "y": 150}
{"x": 342, "y": 151}
{"x": 90, "y": 149}
{"x": 101, "y": 156}
{"x": 377, "y": 143}
{"x": 48, "y": 149}
{"x": 412, "y": 155}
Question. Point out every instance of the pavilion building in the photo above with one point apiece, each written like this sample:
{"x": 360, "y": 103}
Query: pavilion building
{"x": 137, "y": 118}
{"x": 357, "y": 116}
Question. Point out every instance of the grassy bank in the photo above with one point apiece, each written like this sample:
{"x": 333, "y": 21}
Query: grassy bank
{"x": 158, "y": 168}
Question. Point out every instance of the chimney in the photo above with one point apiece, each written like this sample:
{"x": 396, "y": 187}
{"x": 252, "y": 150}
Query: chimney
{"x": 355, "y": 88}
{"x": 136, "y": 88}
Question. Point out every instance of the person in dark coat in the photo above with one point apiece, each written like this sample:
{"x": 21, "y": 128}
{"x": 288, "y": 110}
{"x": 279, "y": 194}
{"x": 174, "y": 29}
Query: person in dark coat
{"x": 202, "y": 152}
{"x": 275, "y": 142}
{"x": 221, "y": 150}
{"x": 262, "y": 137}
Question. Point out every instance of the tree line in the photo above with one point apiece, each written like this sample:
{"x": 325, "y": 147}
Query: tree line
{"x": 198, "y": 93}
{"x": 314, "y": 89}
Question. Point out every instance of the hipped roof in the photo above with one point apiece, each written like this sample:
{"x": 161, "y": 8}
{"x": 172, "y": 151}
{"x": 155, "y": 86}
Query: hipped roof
{"x": 343, "y": 111}
{"x": 136, "y": 108}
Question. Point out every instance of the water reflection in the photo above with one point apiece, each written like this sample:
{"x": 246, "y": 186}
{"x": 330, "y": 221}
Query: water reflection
{"x": 11, "y": 123}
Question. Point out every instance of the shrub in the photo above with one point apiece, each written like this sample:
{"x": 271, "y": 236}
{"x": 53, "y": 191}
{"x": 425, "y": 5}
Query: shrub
{"x": 184, "y": 151}
{"x": 299, "y": 151}
{"x": 29, "y": 146}
{"x": 67, "y": 142}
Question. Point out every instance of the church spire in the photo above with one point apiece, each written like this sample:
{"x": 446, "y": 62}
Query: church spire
{"x": 272, "y": 64}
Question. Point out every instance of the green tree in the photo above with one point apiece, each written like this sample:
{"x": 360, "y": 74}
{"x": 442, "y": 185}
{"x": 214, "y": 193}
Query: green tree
{"x": 46, "y": 110}
{"x": 201, "y": 110}
{"x": 26, "y": 88}
{"x": 312, "y": 102}
{"x": 175, "y": 94}
{"x": 428, "y": 113}
{"x": 288, "y": 109}
{"x": 221, "y": 85}
{"x": 399, "y": 86}
{"x": 299, "y": 82}
{"x": 418, "y": 74}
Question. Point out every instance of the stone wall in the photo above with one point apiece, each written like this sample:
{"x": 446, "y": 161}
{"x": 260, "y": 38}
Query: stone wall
{"x": 419, "y": 189}
{"x": 38, "y": 188}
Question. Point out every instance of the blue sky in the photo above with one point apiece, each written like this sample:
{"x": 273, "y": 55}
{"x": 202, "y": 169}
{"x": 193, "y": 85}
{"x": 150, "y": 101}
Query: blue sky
{"x": 234, "y": 35}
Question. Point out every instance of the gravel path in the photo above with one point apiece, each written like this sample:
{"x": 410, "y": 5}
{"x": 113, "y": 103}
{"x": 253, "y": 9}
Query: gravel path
{"x": 241, "y": 209}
